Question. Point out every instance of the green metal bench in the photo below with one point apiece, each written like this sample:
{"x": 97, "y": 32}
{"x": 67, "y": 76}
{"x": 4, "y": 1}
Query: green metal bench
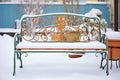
{"x": 60, "y": 32}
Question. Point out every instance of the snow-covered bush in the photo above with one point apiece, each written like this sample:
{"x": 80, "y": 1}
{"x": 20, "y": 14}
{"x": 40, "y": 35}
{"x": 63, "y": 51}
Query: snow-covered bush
{"x": 98, "y": 13}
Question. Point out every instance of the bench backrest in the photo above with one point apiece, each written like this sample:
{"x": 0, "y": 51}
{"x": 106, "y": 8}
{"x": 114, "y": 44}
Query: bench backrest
{"x": 60, "y": 27}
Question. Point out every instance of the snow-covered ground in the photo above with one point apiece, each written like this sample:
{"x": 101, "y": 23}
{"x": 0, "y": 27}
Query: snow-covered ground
{"x": 48, "y": 66}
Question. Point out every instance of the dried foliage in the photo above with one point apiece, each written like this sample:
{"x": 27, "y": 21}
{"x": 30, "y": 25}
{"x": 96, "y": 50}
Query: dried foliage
{"x": 33, "y": 6}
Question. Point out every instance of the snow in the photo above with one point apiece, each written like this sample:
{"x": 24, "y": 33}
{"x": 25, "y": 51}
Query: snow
{"x": 11, "y": 30}
{"x": 114, "y": 35}
{"x": 49, "y": 66}
{"x": 85, "y": 45}
{"x": 94, "y": 12}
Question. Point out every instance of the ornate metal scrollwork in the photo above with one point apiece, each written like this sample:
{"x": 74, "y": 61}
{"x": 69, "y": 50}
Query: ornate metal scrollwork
{"x": 43, "y": 28}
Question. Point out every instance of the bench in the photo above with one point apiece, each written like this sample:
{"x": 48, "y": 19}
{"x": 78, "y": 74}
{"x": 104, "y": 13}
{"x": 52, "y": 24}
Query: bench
{"x": 60, "y": 32}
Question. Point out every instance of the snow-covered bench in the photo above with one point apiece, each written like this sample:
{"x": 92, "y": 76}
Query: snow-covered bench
{"x": 60, "y": 32}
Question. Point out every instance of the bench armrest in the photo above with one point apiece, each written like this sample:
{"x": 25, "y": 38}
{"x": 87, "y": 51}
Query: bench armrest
{"x": 17, "y": 39}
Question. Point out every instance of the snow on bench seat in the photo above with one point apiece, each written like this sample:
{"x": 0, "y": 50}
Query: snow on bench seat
{"x": 91, "y": 45}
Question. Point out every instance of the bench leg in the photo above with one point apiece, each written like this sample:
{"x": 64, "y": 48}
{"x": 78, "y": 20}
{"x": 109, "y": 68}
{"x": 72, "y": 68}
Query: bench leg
{"x": 116, "y": 64}
{"x": 14, "y": 66}
{"x": 17, "y": 56}
{"x": 104, "y": 57}
{"x": 101, "y": 66}
{"x": 20, "y": 55}
{"x": 119, "y": 63}
{"x": 107, "y": 64}
{"x": 111, "y": 64}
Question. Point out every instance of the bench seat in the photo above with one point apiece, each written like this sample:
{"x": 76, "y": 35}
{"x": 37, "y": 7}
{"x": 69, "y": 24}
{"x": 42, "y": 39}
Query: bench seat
{"x": 91, "y": 45}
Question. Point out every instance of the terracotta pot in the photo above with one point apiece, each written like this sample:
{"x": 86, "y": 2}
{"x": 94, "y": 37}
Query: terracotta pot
{"x": 75, "y": 55}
